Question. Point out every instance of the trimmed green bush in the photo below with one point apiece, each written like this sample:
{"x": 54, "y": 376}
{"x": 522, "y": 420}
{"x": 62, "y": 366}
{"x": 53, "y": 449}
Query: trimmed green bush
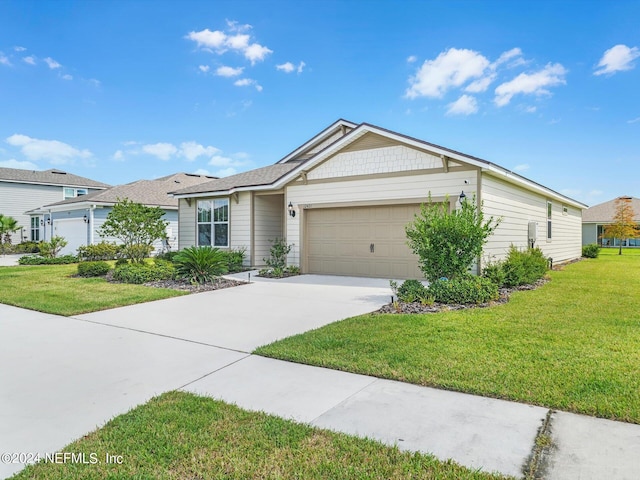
{"x": 235, "y": 259}
{"x": 411, "y": 291}
{"x": 524, "y": 267}
{"x": 40, "y": 260}
{"x": 99, "y": 251}
{"x": 26, "y": 247}
{"x": 139, "y": 273}
{"x": 464, "y": 290}
{"x": 495, "y": 273}
{"x": 591, "y": 251}
{"x": 168, "y": 256}
{"x": 200, "y": 264}
{"x": 93, "y": 269}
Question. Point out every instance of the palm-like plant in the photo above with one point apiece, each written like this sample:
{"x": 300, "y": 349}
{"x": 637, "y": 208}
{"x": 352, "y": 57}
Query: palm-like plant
{"x": 8, "y": 225}
{"x": 200, "y": 264}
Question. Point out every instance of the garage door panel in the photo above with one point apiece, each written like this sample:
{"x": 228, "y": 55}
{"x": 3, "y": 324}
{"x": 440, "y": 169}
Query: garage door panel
{"x": 339, "y": 241}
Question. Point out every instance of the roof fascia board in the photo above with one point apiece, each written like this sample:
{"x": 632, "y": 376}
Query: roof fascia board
{"x": 74, "y": 185}
{"x": 317, "y": 139}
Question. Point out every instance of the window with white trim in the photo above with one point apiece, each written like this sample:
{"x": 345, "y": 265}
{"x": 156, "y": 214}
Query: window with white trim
{"x": 213, "y": 222}
{"x": 70, "y": 192}
{"x": 35, "y": 229}
{"x": 549, "y": 212}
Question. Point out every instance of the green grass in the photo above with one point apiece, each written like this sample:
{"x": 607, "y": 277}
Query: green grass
{"x": 51, "y": 289}
{"x": 573, "y": 344}
{"x": 180, "y": 436}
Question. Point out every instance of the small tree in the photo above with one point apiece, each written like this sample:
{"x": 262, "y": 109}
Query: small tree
{"x": 136, "y": 226}
{"x": 623, "y": 227}
{"x": 448, "y": 242}
{"x": 52, "y": 248}
{"x": 8, "y": 225}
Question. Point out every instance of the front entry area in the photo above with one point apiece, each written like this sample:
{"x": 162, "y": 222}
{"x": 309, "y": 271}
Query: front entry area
{"x": 361, "y": 241}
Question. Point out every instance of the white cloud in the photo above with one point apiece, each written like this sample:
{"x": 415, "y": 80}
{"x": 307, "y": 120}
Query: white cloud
{"x": 13, "y": 163}
{"x": 204, "y": 68}
{"x": 220, "y": 42}
{"x": 523, "y": 167}
{"x": 193, "y": 150}
{"x": 450, "y": 69}
{"x": 4, "y": 60}
{"x": 225, "y": 71}
{"x": 506, "y": 56}
{"x": 220, "y": 161}
{"x": 481, "y": 84}
{"x": 118, "y": 156}
{"x": 617, "y": 59}
{"x": 530, "y": 109}
{"x": 51, "y": 63}
{"x": 635, "y": 120}
{"x": 53, "y": 150}
{"x": 465, "y": 105}
{"x": 247, "y": 82}
{"x": 535, "y": 83}
{"x": 202, "y": 171}
{"x": 19, "y": 49}
{"x": 256, "y": 53}
{"x": 31, "y": 60}
{"x": 412, "y": 59}
{"x": 287, "y": 67}
{"x": 163, "y": 151}
{"x": 94, "y": 82}
{"x": 66, "y": 76}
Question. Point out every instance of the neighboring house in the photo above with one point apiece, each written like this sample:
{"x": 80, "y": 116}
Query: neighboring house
{"x": 23, "y": 190}
{"x": 344, "y": 197}
{"x": 595, "y": 218}
{"x": 79, "y": 219}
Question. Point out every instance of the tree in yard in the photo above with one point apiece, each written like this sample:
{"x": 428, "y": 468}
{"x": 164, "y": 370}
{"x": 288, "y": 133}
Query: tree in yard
{"x": 623, "y": 227}
{"x": 448, "y": 242}
{"x": 8, "y": 225}
{"x": 136, "y": 226}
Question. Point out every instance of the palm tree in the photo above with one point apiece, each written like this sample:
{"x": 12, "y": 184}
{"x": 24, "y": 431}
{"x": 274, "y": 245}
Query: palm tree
{"x": 8, "y": 225}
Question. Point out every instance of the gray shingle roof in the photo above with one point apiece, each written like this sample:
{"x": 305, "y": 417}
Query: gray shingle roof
{"x": 147, "y": 192}
{"x": 604, "y": 212}
{"x": 253, "y": 178}
{"x": 48, "y": 177}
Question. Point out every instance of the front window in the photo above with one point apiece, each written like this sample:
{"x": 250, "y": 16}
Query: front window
{"x": 213, "y": 222}
{"x": 70, "y": 192}
{"x": 35, "y": 229}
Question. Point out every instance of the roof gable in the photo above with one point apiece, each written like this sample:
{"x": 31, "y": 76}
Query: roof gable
{"x": 326, "y": 137}
{"x": 604, "y": 212}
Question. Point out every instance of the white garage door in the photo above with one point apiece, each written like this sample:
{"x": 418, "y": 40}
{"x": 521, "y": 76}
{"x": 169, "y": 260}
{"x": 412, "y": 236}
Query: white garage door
{"x": 74, "y": 231}
{"x": 361, "y": 241}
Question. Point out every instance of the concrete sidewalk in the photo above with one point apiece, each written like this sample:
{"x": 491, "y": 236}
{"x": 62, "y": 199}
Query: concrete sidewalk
{"x": 9, "y": 260}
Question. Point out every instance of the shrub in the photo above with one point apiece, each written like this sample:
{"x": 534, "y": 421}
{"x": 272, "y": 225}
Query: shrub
{"x": 411, "y": 291}
{"x": 139, "y": 273}
{"x": 591, "y": 251}
{"x": 93, "y": 269}
{"x": 99, "y": 251}
{"x": 235, "y": 259}
{"x": 40, "y": 260}
{"x": 278, "y": 254}
{"x": 121, "y": 261}
{"x": 494, "y": 272}
{"x": 27, "y": 247}
{"x": 463, "y": 290}
{"x": 52, "y": 248}
{"x": 200, "y": 264}
{"x": 524, "y": 267}
{"x": 292, "y": 270}
{"x": 447, "y": 243}
{"x": 168, "y": 256}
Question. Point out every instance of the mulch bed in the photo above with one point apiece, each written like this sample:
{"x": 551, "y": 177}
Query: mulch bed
{"x": 187, "y": 286}
{"x": 416, "y": 307}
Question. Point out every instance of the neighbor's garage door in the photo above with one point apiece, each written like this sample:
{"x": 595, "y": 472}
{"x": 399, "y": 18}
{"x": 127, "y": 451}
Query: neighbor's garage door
{"x": 361, "y": 241}
{"x": 74, "y": 231}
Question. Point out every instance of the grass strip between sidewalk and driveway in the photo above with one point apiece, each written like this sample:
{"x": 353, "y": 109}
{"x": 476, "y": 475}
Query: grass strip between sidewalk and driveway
{"x": 573, "y": 344}
{"x": 52, "y": 289}
{"x": 180, "y": 435}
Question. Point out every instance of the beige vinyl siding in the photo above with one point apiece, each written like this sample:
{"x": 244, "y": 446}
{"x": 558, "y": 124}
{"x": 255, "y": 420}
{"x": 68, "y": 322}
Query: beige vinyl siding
{"x": 268, "y": 224}
{"x": 376, "y": 189}
{"x": 187, "y": 223}
{"x": 240, "y": 223}
{"x": 518, "y": 207}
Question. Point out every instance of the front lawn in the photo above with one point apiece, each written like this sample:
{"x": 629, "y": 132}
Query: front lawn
{"x": 51, "y": 289}
{"x": 180, "y": 435}
{"x": 573, "y": 344}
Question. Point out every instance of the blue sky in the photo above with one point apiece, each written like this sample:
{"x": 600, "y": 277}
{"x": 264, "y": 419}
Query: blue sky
{"x": 122, "y": 90}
